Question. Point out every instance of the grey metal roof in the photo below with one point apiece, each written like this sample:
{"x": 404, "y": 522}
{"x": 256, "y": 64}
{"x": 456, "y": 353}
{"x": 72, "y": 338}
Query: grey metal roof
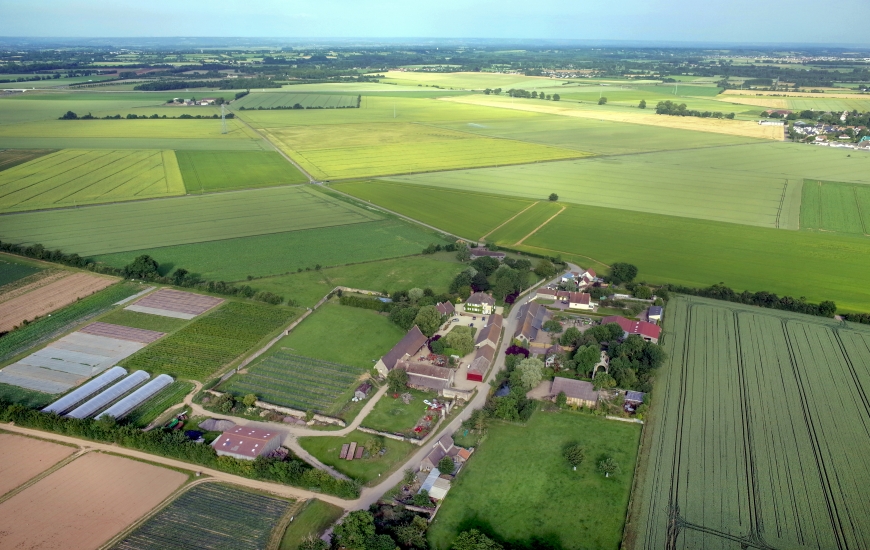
{"x": 86, "y": 390}
{"x": 106, "y": 397}
{"x": 143, "y": 394}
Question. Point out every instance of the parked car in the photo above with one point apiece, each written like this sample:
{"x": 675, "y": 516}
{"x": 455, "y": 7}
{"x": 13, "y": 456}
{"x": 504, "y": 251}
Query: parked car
{"x": 455, "y": 320}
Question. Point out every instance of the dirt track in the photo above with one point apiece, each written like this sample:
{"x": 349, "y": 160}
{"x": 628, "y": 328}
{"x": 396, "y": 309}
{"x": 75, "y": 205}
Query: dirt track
{"x": 22, "y": 458}
{"x": 47, "y": 298}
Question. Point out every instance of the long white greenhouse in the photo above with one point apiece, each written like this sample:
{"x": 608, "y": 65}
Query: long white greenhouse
{"x": 104, "y": 398}
{"x": 86, "y": 390}
{"x": 146, "y": 392}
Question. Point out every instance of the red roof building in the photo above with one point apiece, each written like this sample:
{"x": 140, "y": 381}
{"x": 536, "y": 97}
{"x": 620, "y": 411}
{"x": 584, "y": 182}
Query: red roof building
{"x": 648, "y": 331}
{"x": 246, "y": 443}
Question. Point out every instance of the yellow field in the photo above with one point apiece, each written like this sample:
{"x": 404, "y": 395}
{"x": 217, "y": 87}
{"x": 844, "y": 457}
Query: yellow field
{"x": 797, "y": 94}
{"x": 472, "y": 81}
{"x": 635, "y": 116}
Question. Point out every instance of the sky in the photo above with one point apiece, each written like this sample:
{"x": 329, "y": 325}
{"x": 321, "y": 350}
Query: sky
{"x": 729, "y": 22}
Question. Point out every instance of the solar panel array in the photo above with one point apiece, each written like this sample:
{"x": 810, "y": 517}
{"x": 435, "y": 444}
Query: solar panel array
{"x": 146, "y": 392}
{"x": 74, "y": 397}
{"x": 106, "y": 397}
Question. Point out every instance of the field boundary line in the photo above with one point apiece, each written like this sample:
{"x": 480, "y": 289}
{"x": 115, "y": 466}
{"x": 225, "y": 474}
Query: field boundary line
{"x": 512, "y": 218}
{"x": 277, "y": 534}
{"x": 861, "y": 214}
{"x": 311, "y": 178}
{"x": 569, "y": 254}
{"x": 535, "y": 230}
{"x": 42, "y": 475}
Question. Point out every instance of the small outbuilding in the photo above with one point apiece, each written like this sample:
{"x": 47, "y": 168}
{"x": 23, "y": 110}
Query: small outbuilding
{"x": 578, "y": 392}
{"x": 362, "y": 391}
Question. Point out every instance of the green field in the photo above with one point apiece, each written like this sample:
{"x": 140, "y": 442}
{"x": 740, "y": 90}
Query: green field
{"x": 205, "y": 171}
{"x": 135, "y": 319}
{"x": 314, "y": 519}
{"x": 143, "y": 129}
{"x": 212, "y": 341}
{"x": 268, "y": 100}
{"x": 525, "y": 223}
{"x": 392, "y": 415}
{"x": 134, "y": 226}
{"x": 12, "y": 270}
{"x": 758, "y": 433}
{"x": 467, "y": 214}
{"x": 364, "y": 470}
{"x": 837, "y": 207}
{"x": 518, "y": 488}
{"x": 74, "y": 177}
{"x": 213, "y": 515}
{"x": 282, "y": 253}
{"x": 430, "y": 271}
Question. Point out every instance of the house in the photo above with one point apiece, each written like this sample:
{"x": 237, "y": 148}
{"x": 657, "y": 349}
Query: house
{"x": 648, "y": 331}
{"x": 532, "y": 317}
{"x": 362, "y": 391}
{"x": 580, "y": 300}
{"x": 445, "y": 308}
{"x": 491, "y": 333}
{"x": 207, "y": 101}
{"x": 246, "y": 443}
{"x": 571, "y": 276}
{"x": 654, "y": 313}
{"x": 427, "y": 377}
{"x": 480, "y": 302}
{"x": 634, "y": 397}
{"x": 435, "y": 485}
{"x": 479, "y": 252}
{"x": 546, "y": 293}
{"x": 588, "y": 277}
{"x": 578, "y": 392}
{"x": 481, "y": 362}
{"x": 408, "y": 346}
{"x": 443, "y": 447}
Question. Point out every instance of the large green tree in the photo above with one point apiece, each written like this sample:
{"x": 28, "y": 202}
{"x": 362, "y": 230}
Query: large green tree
{"x": 531, "y": 372}
{"x": 428, "y": 320}
{"x": 475, "y": 540}
{"x": 142, "y": 267}
{"x": 355, "y": 531}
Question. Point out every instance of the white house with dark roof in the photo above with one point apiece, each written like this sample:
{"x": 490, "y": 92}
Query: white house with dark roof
{"x": 480, "y": 302}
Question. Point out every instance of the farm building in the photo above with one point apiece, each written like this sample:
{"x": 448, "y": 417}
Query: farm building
{"x": 491, "y": 333}
{"x": 635, "y": 397}
{"x": 532, "y": 317}
{"x": 246, "y": 443}
{"x": 427, "y": 377}
{"x": 479, "y": 252}
{"x": 207, "y": 101}
{"x": 580, "y": 300}
{"x": 443, "y": 447}
{"x": 481, "y": 362}
{"x": 647, "y": 331}
{"x": 445, "y": 308}
{"x": 362, "y": 390}
{"x": 578, "y": 392}
{"x": 408, "y": 346}
{"x": 654, "y": 313}
{"x": 435, "y": 485}
{"x": 480, "y": 302}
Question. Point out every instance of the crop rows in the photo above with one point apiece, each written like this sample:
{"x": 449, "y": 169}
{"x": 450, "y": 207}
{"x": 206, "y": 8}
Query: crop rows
{"x": 296, "y": 381}
{"x": 201, "y": 348}
{"x": 154, "y": 407}
{"x": 46, "y": 328}
{"x": 278, "y": 99}
{"x": 210, "y": 515}
{"x": 760, "y": 433}
{"x": 840, "y": 207}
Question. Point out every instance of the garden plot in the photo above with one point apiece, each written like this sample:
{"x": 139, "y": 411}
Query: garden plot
{"x": 76, "y": 357}
{"x": 174, "y": 303}
{"x": 22, "y": 458}
{"x": 85, "y": 503}
{"x": 45, "y": 299}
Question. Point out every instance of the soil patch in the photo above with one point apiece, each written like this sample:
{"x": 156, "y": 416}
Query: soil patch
{"x": 22, "y": 458}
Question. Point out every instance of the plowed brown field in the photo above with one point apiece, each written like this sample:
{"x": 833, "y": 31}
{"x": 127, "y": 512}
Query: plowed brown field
{"x": 21, "y": 458}
{"x": 50, "y": 297}
{"x": 85, "y": 503}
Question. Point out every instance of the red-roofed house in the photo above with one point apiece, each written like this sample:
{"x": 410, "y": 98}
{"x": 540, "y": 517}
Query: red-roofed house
{"x": 648, "y": 331}
{"x": 246, "y": 443}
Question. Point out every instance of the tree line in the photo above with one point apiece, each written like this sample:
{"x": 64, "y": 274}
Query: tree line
{"x": 669, "y": 107}
{"x": 70, "y": 115}
{"x": 225, "y": 84}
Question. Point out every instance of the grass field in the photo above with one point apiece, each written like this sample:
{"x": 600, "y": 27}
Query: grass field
{"x": 134, "y": 226}
{"x": 431, "y": 271}
{"x": 135, "y": 319}
{"x": 205, "y": 171}
{"x": 837, "y": 207}
{"x": 21, "y": 396}
{"x": 75, "y": 177}
{"x": 757, "y": 432}
{"x": 280, "y": 253}
{"x": 518, "y": 488}
{"x": 212, "y": 341}
{"x": 14, "y": 157}
{"x": 215, "y": 515}
{"x": 12, "y": 270}
{"x": 472, "y": 215}
{"x": 364, "y": 470}
{"x": 314, "y": 519}
{"x": 527, "y": 222}
{"x": 150, "y": 129}
{"x": 392, "y": 415}
{"x": 282, "y": 98}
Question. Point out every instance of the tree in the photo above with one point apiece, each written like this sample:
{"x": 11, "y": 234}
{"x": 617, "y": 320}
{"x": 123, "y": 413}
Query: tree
{"x": 421, "y": 499}
{"x": 642, "y": 104}
{"x": 545, "y": 269}
{"x": 413, "y": 534}
{"x": 312, "y": 542}
{"x": 554, "y": 197}
{"x": 143, "y": 267}
{"x": 355, "y": 531}
{"x": 475, "y": 540}
{"x": 249, "y": 400}
{"x": 556, "y": 97}
{"x": 486, "y": 265}
{"x": 587, "y": 357}
{"x": 69, "y": 115}
{"x": 531, "y": 372}
{"x": 608, "y": 467}
{"x": 552, "y": 325}
{"x": 602, "y": 100}
{"x": 561, "y": 399}
{"x": 446, "y": 465}
{"x": 374, "y": 444}
{"x": 409, "y": 476}
{"x": 428, "y": 320}
{"x": 415, "y": 294}
{"x": 463, "y": 254}
{"x": 621, "y": 272}
{"x": 397, "y": 380}
{"x": 570, "y": 337}
{"x": 460, "y": 340}
{"x": 643, "y": 292}
{"x": 603, "y": 381}
{"x": 574, "y": 454}
{"x": 479, "y": 282}
{"x": 381, "y": 542}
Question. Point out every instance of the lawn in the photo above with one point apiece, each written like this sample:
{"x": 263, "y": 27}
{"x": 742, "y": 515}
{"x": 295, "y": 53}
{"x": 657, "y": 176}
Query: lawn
{"x": 288, "y": 251}
{"x": 75, "y": 177}
{"x": 837, "y": 207}
{"x": 392, "y": 415}
{"x": 365, "y": 470}
{"x": 464, "y": 213}
{"x": 314, "y": 519}
{"x": 205, "y": 171}
{"x": 12, "y": 270}
{"x": 757, "y": 432}
{"x": 518, "y": 488}
{"x": 145, "y": 321}
{"x": 434, "y": 271}
{"x": 191, "y": 219}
